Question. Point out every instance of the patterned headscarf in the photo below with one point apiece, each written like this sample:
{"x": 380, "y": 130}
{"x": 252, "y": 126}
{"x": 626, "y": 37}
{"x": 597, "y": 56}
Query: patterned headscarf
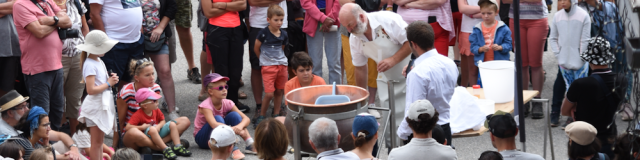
{"x": 33, "y": 119}
{"x": 598, "y": 52}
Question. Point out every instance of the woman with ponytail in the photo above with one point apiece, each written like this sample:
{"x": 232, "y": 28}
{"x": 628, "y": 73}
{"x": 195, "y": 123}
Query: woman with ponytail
{"x": 365, "y": 136}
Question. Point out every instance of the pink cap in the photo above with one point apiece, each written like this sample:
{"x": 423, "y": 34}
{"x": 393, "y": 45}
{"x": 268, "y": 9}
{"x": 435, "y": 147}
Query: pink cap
{"x": 146, "y": 93}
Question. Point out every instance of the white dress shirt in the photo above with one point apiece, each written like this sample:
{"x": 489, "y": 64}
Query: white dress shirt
{"x": 433, "y": 78}
{"x": 393, "y": 26}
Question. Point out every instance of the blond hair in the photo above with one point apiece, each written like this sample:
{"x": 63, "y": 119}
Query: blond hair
{"x": 134, "y": 68}
{"x": 41, "y": 154}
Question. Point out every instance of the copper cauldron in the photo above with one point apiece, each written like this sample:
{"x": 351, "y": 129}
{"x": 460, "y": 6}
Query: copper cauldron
{"x": 301, "y": 112}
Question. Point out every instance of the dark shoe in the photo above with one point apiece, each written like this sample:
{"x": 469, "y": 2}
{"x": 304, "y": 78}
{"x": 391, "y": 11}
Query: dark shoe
{"x": 183, "y": 142}
{"x": 194, "y": 75}
{"x": 181, "y": 151}
{"x": 260, "y": 119}
{"x": 569, "y": 120}
{"x": 527, "y": 106}
{"x": 243, "y": 108}
{"x": 555, "y": 119}
{"x": 537, "y": 111}
{"x": 255, "y": 115}
{"x": 145, "y": 150}
{"x": 242, "y": 95}
{"x": 169, "y": 154}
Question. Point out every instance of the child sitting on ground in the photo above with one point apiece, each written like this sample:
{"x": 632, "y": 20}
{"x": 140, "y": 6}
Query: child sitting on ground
{"x": 83, "y": 140}
{"x": 44, "y": 153}
{"x": 221, "y": 142}
{"x": 302, "y": 68}
{"x": 491, "y": 38}
{"x": 216, "y": 111}
{"x": 151, "y": 120}
{"x": 269, "y": 47}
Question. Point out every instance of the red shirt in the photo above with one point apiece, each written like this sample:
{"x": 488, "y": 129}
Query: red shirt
{"x": 230, "y": 19}
{"x": 140, "y": 118}
{"x": 38, "y": 54}
{"x": 128, "y": 94}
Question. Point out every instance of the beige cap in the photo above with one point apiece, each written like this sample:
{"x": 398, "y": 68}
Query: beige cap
{"x": 419, "y": 107}
{"x": 581, "y": 132}
{"x": 492, "y": 1}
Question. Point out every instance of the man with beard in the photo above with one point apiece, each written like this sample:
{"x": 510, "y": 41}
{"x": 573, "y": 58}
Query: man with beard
{"x": 380, "y": 36}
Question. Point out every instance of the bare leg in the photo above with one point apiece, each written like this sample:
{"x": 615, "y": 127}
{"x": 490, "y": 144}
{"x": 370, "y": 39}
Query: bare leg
{"x": 277, "y": 102}
{"x": 181, "y": 126}
{"x": 73, "y": 123}
{"x": 265, "y": 101}
{"x": 156, "y": 139}
{"x": 97, "y": 141}
{"x": 525, "y": 77}
{"x": 175, "y": 135}
{"x": 186, "y": 42}
{"x": 256, "y": 86}
{"x": 537, "y": 78}
{"x": 163, "y": 67}
{"x": 135, "y": 139}
{"x": 205, "y": 70}
{"x": 372, "y": 95}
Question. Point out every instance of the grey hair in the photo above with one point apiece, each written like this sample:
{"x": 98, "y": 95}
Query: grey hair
{"x": 323, "y": 132}
{"x": 356, "y": 11}
{"x": 125, "y": 154}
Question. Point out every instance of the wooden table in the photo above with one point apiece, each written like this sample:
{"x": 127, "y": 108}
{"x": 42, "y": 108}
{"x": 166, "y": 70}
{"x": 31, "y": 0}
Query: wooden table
{"x": 527, "y": 95}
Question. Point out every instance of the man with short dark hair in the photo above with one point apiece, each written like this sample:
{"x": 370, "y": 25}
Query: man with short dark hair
{"x": 433, "y": 78}
{"x": 503, "y": 130}
{"x": 421, "y": 118}
{"x": 37, "y": 23}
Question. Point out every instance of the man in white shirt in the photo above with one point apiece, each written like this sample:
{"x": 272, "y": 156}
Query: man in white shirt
{"x": 381, "y": 37}
{"x": 324, "y": 139}
{"x": 422, "y": 118}
{"x": 433, "y": 78}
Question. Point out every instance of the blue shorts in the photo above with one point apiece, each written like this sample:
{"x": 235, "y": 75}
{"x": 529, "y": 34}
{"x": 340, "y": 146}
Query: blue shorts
{"x": 163, "y": 50}
{"x": 118, "y": 58}
{"x": 164, "y": 131}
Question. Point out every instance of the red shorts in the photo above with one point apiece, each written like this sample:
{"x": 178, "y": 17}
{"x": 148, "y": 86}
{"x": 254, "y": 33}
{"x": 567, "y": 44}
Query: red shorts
{"x": 274, "y": 77}
{"x": 457, "y": 22}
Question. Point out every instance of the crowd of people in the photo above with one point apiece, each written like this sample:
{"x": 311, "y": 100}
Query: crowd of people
{"x": 91, "y": 65}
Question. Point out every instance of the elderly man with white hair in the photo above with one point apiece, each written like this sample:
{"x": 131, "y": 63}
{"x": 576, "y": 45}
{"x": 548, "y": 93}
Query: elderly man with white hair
{"x": 381, "y": 37}
{"x": 324, "y": 139}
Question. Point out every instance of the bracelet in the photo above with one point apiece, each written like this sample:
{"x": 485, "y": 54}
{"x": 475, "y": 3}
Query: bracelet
{"x": 73, "y": 145}
{"x": 109, "y": 85}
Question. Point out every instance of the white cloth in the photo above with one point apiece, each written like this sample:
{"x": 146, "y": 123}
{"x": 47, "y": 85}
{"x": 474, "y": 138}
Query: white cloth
{"x": 122, "y": 19}
{"x": 337, "y": 154}
{"x": 421, "y": 148}
{"x": 7, "y": 129}
{"x": 99, "y": 108}
{"x": 433, "y": 78}
{"x": 83, "y": 140}
{"x": 467, "y": 23}
{"x": 465, "y": 111}
{"x": 258, "y": 16}
{"x": 393, "y": 26}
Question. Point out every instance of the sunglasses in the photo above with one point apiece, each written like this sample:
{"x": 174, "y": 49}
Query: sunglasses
{"x": 141, "y": 61}
{"x": 152, "y": 101}
{"x": 220, "y": 88}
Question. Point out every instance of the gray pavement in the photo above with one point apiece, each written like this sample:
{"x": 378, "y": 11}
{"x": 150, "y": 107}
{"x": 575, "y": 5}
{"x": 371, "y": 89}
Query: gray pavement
{"x": 467, "y": 148}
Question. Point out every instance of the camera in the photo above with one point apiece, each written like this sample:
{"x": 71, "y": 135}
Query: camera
{"x": 68, "y": 33}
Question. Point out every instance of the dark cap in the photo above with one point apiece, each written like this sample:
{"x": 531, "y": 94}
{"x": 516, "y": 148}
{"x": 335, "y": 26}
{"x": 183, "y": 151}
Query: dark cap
{"x": 501, "y": 124}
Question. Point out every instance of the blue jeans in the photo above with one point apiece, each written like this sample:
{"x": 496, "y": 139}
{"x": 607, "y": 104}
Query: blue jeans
{"x": 202, "y": 137}
{"x": 559, "y": 88}
{"x": 330, "y": 43}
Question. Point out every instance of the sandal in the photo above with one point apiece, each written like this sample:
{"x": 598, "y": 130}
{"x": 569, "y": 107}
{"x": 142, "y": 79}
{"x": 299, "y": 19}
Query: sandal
{"x": 242, "y": 95}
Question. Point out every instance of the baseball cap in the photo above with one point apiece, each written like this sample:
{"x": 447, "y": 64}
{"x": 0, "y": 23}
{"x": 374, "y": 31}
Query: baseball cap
{"x": 501, "y": 124}
{"x": 419, "y": 107}
{"x": 146, "y": 93}
{"x": 213, "y": 77}
{"x": 367, "y": 122}
{"x": 581, "y": 132}
{"x": 492, "y": 1}
{"x": 222, "y": 136}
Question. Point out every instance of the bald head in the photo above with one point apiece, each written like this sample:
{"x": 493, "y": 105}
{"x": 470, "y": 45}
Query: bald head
{"x": 353, "y": 18}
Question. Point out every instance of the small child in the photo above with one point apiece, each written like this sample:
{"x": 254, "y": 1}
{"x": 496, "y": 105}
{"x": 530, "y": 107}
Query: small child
{"x": 97, "y": 111}
{"x": 221, "y": 142}
{"x": 82, "y": 137}
{"x": 491, "y": 38}
{"x": 126, "y": 154}
{"x": 216, "y": 111}
{"x": 44, "y": 153}
{"x": 270, "y": 48}
{"x": 303, "y": 67}
{"x": 151, "y": 120}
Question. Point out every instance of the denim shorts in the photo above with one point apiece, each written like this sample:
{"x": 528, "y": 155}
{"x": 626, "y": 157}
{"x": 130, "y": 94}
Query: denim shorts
{"x": 163, "y": 50}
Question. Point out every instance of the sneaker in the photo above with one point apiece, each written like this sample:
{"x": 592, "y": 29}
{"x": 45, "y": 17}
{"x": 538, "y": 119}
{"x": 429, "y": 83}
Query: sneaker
{"x": 169, "y": 154}
{"x": 183, "y": 142}
{"x": 243, "y": 108}
{"x": 374, "y": 112}
{"x": 165, "y": 106}
{"x": 237, "y": 155}
{"x": 173, "y": 116}
{"x": 537, "y": 111}
{"x": 250, "y": 150}
{"x": 258, "y": 120}
{"x": 527, "y": 106}
{"x": 181, "y": 151}
{"x": 569, "y": 120}
{"x": 194, "y": 75}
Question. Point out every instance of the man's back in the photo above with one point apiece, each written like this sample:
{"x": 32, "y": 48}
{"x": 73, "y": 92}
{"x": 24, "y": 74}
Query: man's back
{"x": 593, "y": 106}
{"x": 122, "y": 19}
{"x": 518, "y": 155}
{"x": 420, "y": 148}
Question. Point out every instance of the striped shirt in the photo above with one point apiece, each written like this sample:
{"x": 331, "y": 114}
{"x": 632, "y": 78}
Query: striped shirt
{"x": 128, "y": 94}
{"x": 25, "y": 144}
{"x": 442, "y": 14}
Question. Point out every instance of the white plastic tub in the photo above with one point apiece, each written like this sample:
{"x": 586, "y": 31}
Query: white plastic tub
{"x": 498, "y": 80}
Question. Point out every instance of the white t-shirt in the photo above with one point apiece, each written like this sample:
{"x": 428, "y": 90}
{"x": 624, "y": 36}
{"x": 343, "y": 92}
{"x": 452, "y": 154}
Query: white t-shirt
{"x": 258, "y": 16}
{"x": 467, "y": 22}
{"x": 95, "y": 68}
{"x": 82, "y": 139}
{"x": 122, "y": 19}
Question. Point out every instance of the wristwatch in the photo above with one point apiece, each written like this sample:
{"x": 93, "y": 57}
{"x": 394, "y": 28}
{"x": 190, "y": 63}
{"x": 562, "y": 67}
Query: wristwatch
{"x": 55, "y": 18}
{"x": 73, "y": 145}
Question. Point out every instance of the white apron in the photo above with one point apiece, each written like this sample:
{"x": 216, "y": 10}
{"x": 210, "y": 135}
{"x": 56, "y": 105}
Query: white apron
{"x": 379, "y": 49}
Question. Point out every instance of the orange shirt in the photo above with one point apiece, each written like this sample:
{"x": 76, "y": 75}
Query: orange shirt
{"x": 294, "y": 83}
{"x": 489, "y": 34}
{"x": 227, "y": 20}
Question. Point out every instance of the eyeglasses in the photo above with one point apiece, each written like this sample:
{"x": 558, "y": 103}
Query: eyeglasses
{"x": 141, "y": 61}
{"x": 220, "y": 88}
{"x": 152, "y": 101}
{"x": 21, "y": 106}
{"x": 46, "y": 125}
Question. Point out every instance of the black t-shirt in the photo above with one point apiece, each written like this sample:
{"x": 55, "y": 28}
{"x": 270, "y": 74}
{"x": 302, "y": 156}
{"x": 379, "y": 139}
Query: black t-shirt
{"x": 592, "y": 104}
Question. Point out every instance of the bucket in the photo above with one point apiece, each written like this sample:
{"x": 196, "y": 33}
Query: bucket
{"x": 498, "y": 80}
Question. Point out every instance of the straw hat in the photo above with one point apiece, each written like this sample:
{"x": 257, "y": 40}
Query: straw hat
{"x": 97, "y": 42}
{"x": 10, "y": 100}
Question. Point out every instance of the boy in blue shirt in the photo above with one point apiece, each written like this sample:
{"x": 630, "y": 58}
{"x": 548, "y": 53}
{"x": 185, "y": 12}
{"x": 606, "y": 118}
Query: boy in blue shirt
{"x": 269, "y": 47}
